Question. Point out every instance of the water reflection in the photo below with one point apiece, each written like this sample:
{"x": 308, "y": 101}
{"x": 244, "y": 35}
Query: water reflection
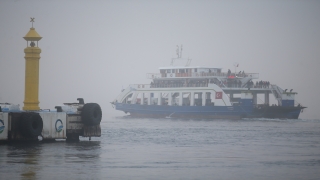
{"x": 27, "y": 154}
{"x": 52, "y": 160}
{"x": 86, "y": 151}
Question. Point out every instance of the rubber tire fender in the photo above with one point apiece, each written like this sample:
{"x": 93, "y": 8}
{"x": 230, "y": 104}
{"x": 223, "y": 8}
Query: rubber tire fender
{"x": 91, "y": 114}
{"x": 31, "y": 124}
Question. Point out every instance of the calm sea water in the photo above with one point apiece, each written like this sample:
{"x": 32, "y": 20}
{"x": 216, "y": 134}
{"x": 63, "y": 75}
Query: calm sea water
{"x": 175, "y": 149}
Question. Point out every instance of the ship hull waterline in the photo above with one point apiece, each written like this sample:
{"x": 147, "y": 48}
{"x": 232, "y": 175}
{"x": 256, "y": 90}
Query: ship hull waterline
{"x": 208, "y": 112}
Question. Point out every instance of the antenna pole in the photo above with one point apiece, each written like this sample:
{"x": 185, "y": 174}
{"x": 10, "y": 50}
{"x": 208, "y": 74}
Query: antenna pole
{"x": 178, "y": 51}
{"x": 235, "y": 67}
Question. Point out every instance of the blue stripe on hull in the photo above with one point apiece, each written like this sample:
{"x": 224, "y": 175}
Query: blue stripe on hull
{"x": 212, "y": 112}
{"x": 284, "y": 115}
{"x": 281, "y": 112}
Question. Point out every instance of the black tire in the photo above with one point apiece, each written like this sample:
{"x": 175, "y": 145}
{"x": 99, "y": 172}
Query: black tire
{"x": 31, "y": 124}
{"x": 91, "y": 114}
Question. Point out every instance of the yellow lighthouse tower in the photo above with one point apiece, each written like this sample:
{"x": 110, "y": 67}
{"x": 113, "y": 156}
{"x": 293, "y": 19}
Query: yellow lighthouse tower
{"x": 32, "y": 56}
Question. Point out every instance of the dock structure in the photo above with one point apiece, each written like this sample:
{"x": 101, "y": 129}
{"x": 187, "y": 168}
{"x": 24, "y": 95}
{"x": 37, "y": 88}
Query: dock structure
{"x": 67, "y": 121}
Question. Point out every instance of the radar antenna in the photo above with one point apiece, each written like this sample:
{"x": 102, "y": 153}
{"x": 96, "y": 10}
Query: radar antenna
{"x": 179, "y": 51}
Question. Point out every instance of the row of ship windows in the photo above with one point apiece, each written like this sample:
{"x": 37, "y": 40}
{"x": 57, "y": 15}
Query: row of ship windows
{"x": 184, "y": 70}
{"x": 176, "y": 70}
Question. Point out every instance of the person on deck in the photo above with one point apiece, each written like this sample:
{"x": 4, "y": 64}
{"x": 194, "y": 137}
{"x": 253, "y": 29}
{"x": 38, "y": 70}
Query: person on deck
{"x": 229, "y": 72}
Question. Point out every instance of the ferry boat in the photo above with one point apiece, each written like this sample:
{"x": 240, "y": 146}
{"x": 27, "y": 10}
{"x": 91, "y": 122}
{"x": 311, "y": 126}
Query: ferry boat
{"x": 205, "y": 92}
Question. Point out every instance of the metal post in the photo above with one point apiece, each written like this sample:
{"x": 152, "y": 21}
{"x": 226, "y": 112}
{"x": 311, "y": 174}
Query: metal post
{"x": 159, "y": 98}
{"x": 266, "y": 97}
{"x": 192, "y": 99}
{"x": 254, "y": 98}
{"x": 203, "y": 98}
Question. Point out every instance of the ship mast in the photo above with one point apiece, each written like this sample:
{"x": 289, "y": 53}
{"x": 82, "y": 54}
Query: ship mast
{"x": 179, "y": 57}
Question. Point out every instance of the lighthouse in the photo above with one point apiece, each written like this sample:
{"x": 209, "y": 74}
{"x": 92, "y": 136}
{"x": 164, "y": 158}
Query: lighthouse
{"x": 67, "y": 121}
{"x": 32, "y": 57}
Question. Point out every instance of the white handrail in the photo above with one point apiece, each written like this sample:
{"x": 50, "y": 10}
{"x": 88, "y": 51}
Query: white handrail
{"x": 200, "y": 74}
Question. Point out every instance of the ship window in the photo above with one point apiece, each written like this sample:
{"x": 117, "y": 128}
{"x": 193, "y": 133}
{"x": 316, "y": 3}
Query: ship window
{"x": 195, "y": 70}
{"x": 169, "y": 71}
{"x": 173, "y": 70}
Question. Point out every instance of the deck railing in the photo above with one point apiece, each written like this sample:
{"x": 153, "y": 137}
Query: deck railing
{"x": 168, "y": 85}
{"x": 200, "y": 74}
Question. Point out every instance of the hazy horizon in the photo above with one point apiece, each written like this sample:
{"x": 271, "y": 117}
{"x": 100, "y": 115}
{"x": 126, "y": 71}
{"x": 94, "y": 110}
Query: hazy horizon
{"x": 93, "y": 49}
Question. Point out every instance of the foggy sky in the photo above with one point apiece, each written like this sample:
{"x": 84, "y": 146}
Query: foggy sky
{"x": 93, "y": 49}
